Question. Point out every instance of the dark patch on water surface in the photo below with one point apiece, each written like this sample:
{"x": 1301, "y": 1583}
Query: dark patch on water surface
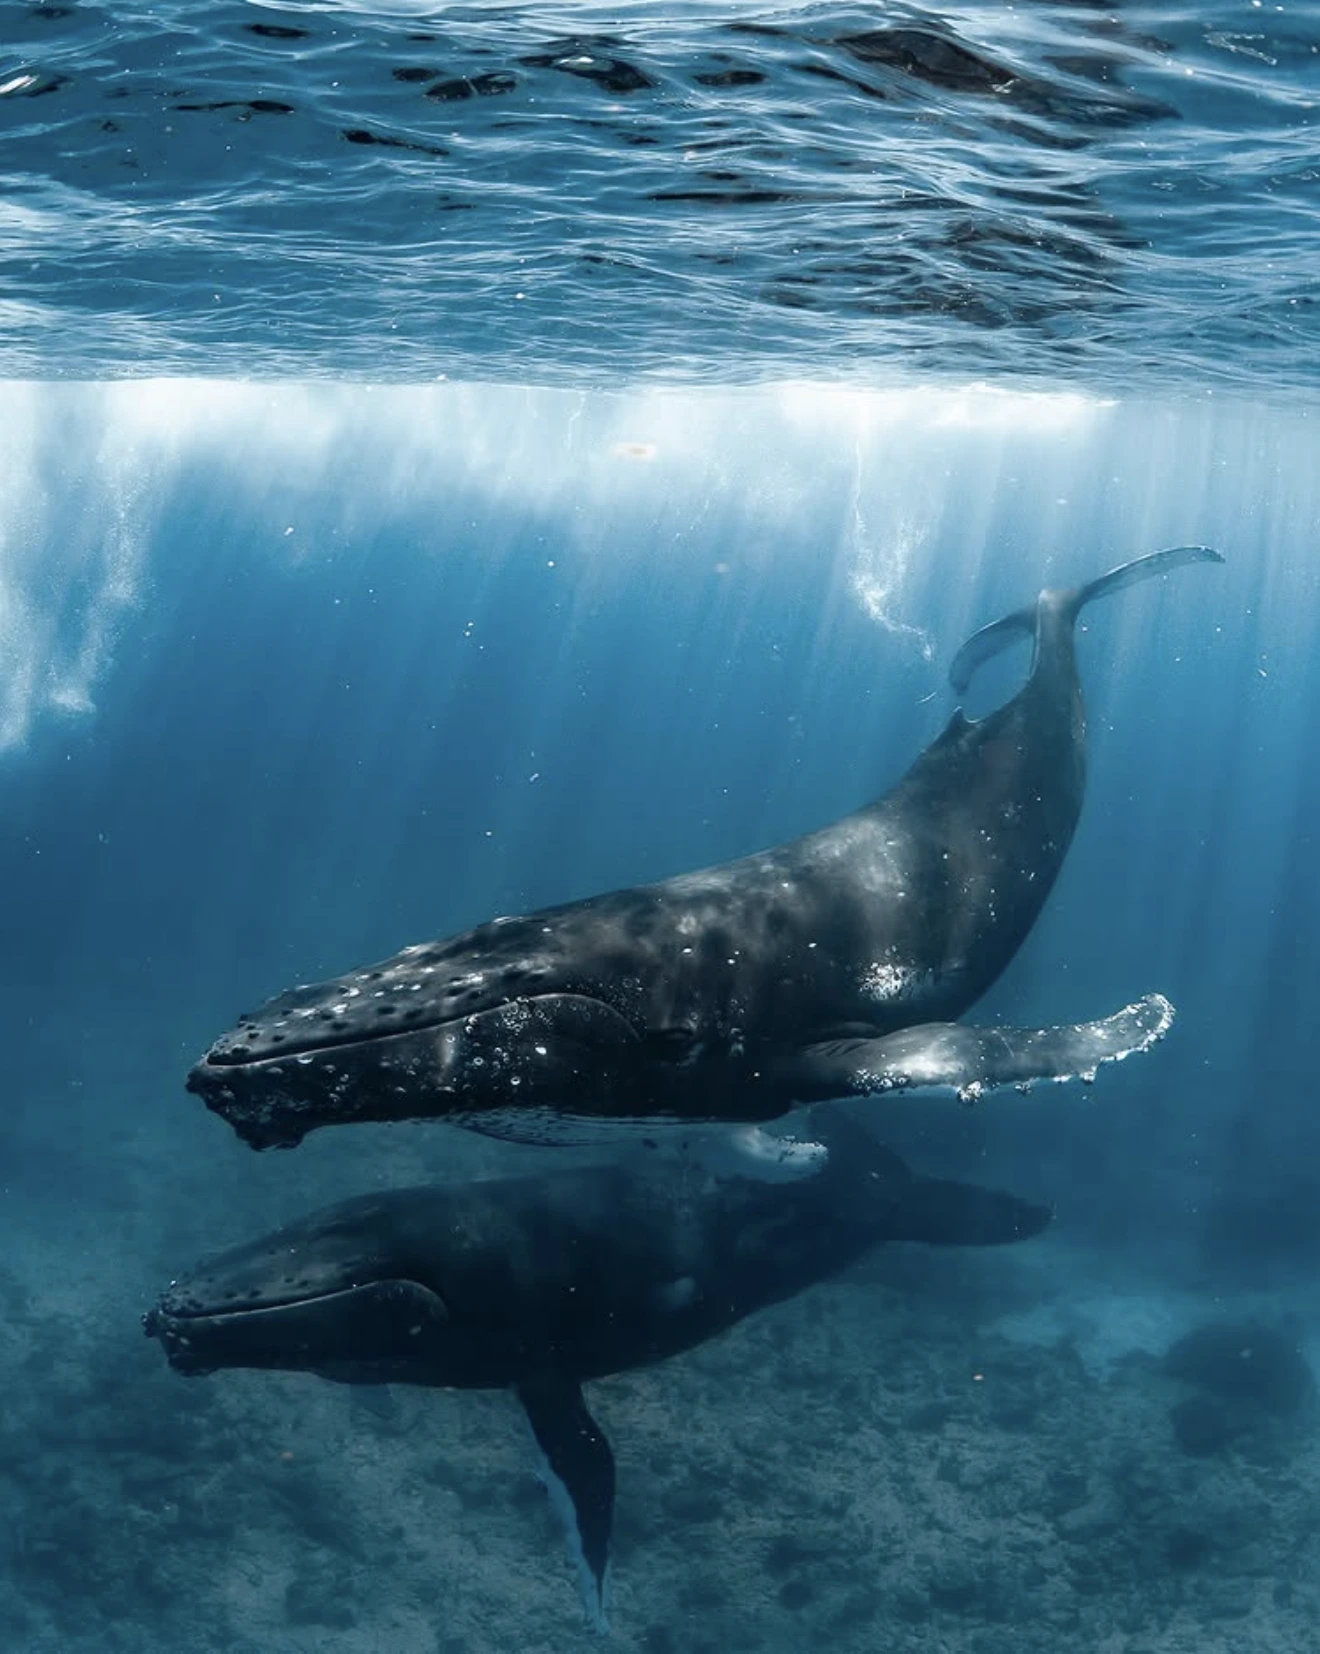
{"x": 590, "y": 58}
{"x": 360, "y": 135}
{"x": 474, "y": 86}
{"x": 277, "y": 31}
{"x": 250, "y": 106}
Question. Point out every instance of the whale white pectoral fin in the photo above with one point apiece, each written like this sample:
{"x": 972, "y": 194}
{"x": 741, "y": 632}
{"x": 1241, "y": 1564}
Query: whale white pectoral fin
{"x": 551, "y": 1128}
{"x": 971, "y": 1060}
{"x": 758, "y": 1156}
{"x": 577, "y": 1467}
{"x": 722, "y": 1150}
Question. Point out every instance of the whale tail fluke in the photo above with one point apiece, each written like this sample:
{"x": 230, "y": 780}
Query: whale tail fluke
{"x": 999, "y": 634}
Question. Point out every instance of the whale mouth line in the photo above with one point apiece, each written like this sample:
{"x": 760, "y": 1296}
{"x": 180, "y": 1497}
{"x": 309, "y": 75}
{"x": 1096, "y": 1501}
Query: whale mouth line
{"x": 180, "y": 1318}
{"x": 236, "y": 1056}
{"x": 292, "y": 1048}
{"x": 198, "y": 1339}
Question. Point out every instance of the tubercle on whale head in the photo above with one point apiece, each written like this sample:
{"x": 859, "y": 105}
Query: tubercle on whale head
{"x": 366, "y": 1332}
{"x": 573, "y": 951}
{"x": 550, "y": 1052}
{"x": 275, "y": 1102}
{"x": 407, "y": 993}
{"x": 425, "y": 985}
{"x": 356, "y": 1277}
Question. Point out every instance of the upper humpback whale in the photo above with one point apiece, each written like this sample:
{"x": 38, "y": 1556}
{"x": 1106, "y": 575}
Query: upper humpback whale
{"x": 835, "y": 964}
{"x": 543, "y": 1282}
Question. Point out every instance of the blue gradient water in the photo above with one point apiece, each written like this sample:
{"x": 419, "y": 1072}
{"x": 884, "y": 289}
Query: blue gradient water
{"x": 782, "y": 348}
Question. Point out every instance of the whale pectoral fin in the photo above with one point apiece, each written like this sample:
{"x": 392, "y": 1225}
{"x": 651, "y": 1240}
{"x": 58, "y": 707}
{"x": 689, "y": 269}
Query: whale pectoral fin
{"x": 748, "y": 1154}
{"x": 971, "y": 1060}
{"x": 578, "y": 1471}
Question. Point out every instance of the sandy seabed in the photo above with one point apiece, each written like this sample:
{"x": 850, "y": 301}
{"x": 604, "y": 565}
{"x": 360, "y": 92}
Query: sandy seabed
{"x": 953, "y": 1452}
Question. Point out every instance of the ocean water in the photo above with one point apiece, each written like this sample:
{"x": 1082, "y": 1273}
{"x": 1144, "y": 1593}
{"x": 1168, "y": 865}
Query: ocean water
{"x": 459, "y": 459}
{"x": 711, "y": 193}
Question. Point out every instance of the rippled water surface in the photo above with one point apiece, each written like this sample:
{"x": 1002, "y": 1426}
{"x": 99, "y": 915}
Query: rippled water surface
{"x": 1117, "y": 196}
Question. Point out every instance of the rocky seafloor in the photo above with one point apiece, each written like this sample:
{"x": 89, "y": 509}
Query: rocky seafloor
{"x": 957, "y": 1453}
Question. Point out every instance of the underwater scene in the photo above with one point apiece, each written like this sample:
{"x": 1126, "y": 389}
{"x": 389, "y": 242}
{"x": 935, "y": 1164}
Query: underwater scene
{"x": 659, "y": 834}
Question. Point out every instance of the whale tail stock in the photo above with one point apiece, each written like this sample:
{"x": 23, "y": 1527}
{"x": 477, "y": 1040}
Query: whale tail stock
{"x": 967, "y": 1059}
{"x": 999, "y": 634}
{"x": 873, "y": 1179}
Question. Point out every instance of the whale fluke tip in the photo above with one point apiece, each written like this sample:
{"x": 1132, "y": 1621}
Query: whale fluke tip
{"x": 992, "y": 639}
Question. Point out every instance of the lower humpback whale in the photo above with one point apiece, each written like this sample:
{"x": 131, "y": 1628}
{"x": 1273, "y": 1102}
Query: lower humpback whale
{"x": 834, "y": 965}
{"x": 540, "y": 1283}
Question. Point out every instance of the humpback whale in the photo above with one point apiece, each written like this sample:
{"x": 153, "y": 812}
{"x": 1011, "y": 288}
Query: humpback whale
{"x": 837, "y": 964}
{"x": 542, "y": 1283}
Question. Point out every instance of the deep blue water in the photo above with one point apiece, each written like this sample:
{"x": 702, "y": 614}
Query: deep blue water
{"x": 322, "y": 672}
{"x": 303, "y": 674}
{"x": 780, "y": 349}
